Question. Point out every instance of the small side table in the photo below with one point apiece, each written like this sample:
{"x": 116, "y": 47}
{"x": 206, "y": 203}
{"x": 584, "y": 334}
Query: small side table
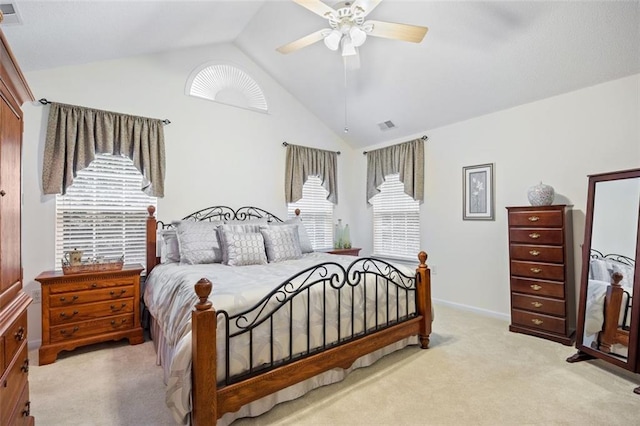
{"x": 353, "y": 251}
{"x": 89, "y": 307}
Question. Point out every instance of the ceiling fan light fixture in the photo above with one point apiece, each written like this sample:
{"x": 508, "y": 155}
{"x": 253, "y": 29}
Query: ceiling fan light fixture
{"x": 348, "y": 48}
{"x": 332, "y": 40}
{"x": 358, "y": 36}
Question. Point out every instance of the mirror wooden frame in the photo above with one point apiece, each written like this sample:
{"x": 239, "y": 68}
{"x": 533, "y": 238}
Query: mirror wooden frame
{"x": 586, "y": 352}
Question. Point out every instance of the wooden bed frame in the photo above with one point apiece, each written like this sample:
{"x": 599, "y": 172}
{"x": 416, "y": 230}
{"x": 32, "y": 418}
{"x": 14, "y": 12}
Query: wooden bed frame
{"x": 211, "y": 400}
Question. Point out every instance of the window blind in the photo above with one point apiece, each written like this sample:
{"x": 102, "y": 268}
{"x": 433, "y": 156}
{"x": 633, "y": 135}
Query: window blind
{"x": 316, "y": 213}
{"x": 396, "y": 221}
{"x": 104, "y": 212}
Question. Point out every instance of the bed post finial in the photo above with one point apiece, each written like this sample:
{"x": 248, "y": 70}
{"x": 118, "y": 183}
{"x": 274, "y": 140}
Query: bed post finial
{"x": 151, "y": 210}
{"x": 151, "y": 237}
{"x": 203, "y": 290}
{"x": 297, "y": 212}
{"x": 423, "y": 302}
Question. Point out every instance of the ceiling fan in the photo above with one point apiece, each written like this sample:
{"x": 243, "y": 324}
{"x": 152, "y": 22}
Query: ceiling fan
{"x": 348, "y": 28}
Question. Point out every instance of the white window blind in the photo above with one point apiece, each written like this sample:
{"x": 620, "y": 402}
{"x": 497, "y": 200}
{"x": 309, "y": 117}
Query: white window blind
{"x": 104, "y": 212}
{"x": 396, "y": 221}
{"x": 316, "y": 213}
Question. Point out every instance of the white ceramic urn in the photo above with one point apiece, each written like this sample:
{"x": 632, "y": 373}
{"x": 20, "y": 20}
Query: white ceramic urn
{"x": 541, "y": 195}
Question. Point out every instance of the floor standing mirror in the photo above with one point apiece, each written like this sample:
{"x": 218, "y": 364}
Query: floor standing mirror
{"x": 608, "y": 313}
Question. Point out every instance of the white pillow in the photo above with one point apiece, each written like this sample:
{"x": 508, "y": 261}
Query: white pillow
{"x": 168, "y": 246}
{"x": 281, "y": 242}
{"x": 199, "y": 242}
{"x": 243, "y": 248}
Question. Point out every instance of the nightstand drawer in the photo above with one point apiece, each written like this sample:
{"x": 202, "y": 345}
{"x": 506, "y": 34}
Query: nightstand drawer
{"x": 77, "y": 313}
{"x": 538, "y": 321}
{"x": 532, "y": 218}
{"x": 90, "y": 328}
{"x": 536, "y": 236}
{"x": 90, "y": 284}
{"x": 552, "y": 254}
{"x": 542, "y": 305}
{"x": 13, "y": 338}
{"x": 79, "y": 297}
{"x": 545, "y": 271}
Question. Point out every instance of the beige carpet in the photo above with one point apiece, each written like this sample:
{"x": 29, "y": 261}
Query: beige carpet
{"x": 476, "y": 373}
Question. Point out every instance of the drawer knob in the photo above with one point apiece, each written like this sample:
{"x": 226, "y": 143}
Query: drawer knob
{"x": 2, "y": 192}
{"x": 537, "y": 321}
{"x": 536, "y": 304}
{"x": 114, "y": 308}
{"x": 19, "y": 335}
{"x": 64, "y": 314}
{"x": 113, "y": 293}
{"x": 94, "y": 285}
{"x": 534, "y": 252}
{"x": 533, "y": 218}
{"x": 534, "y": 235}
{"x": 68, "y": 333}
{"x": 25, "y": 366}
{"x": 535, "y": 270}
{"x": 536, "y": 287}
{"x": 115, "y": 324}
{"x": 73, "y": 299}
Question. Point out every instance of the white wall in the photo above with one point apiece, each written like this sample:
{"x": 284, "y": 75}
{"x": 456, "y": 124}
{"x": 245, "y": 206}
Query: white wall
{"x": 216, "y": 154}
{"x": 558, "y": 140}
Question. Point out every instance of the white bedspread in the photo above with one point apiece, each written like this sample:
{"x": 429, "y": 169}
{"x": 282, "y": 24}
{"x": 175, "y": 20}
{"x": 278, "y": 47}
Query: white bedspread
{"x": 170, "y": 297}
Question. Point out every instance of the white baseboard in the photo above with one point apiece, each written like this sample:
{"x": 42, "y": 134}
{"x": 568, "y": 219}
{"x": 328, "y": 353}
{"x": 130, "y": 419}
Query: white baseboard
{"x": 34, "y": 344}
{"x": 480, "y": 311}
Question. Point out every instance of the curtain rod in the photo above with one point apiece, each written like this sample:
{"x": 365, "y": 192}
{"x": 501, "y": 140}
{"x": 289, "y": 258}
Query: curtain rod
{"x": 287, "y": 143}
{"x": 424, "y": 138}
{"x": 44, "y": 101}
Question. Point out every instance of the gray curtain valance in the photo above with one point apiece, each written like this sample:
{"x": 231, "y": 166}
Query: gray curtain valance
{"x": 76, "y": 134}
{"x": 406, "y": 159}
{"x": 303, "y": 162}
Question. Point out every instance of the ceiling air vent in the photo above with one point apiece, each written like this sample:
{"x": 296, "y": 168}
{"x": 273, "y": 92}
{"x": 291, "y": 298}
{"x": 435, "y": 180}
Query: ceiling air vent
{"x": 10, "y": 13}
{"x": 386, "y": 125}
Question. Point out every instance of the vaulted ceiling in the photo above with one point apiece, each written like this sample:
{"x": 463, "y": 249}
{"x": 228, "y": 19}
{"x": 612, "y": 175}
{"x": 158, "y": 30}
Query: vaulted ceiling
{"x": 478, "y": 57}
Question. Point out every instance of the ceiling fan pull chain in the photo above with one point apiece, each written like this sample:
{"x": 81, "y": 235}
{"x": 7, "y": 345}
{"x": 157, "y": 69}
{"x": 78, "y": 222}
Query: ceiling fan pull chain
{"x": 346, "y": 127}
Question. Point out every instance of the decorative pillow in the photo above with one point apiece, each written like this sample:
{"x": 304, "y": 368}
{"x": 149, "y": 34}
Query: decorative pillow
{"x": 239, "y": 227}
{"x": 243, "y": 248}
{"x": 281, "y": 242}
{"x": 168, "y": 246}
{"x": 199, "y": 242}
{"x": 599, "y": 270}
{"x": 305, "y": 241}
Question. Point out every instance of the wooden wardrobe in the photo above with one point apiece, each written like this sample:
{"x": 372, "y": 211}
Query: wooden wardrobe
{"x": 14, "y": 360}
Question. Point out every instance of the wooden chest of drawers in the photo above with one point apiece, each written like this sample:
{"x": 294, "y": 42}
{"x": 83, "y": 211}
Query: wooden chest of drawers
{"x": 541, "y": 272}
{"x": 87, "y": 308}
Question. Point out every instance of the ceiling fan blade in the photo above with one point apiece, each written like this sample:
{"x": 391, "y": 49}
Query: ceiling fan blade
{"x": 366, "y": 5}
{"x": 317, "y": 7}
{"x": 405, "y": 32}
{"x": 302, "y": 42}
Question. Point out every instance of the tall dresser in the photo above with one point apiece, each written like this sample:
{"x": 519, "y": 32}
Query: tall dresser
{"x": 14, "y": 361}
{"x": 541, "y": 272}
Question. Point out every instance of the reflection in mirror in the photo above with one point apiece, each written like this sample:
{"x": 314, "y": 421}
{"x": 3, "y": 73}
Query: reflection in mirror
{"x": 611, "y": 269}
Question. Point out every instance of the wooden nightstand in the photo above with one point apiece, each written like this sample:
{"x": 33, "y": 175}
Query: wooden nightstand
{"x": 86, "y": 308}
{"x": 354, "y": 251}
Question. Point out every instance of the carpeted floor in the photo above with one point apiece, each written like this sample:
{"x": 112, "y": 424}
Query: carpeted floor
{"x": 476, "y": 373}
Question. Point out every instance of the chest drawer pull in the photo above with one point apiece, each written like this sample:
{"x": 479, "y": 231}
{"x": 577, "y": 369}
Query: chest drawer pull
{"x": 534, "y": 252}
{"x": 19, "y": 335}
{"x": 536, "y": 304}
{"x": 114, "y": 308}
{"x": 64, "y": 314}
{"x": 533, "y": 218}
{"x": 113, "y": 293}
{"x": 536, "y": 287}
{"x": 535, "y": 270}
{"x": 94, "y": 285}
{"x": 73, "y": 299}
{"x": 115, "y": 324}
{"x": 536, "y": 321}
{"x": 534, "y": 235}
{"x": 68, "y": 333}
{"x": 25, "y": 366}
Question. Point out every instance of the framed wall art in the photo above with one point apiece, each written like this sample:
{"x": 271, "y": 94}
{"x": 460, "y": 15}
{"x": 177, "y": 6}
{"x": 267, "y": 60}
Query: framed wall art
{"x": 477, "y": 183}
